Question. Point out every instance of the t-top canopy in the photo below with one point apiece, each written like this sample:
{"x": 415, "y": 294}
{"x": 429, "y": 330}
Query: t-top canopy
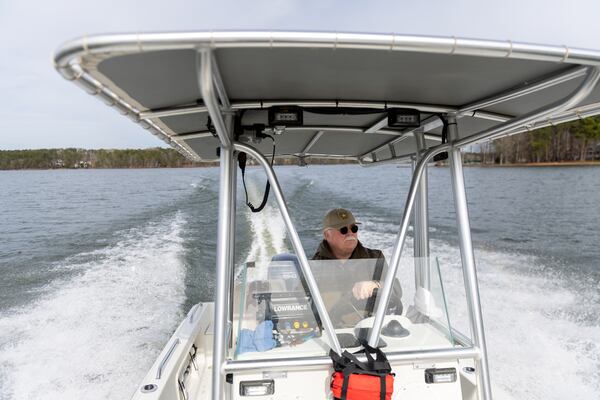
{"x": 344, "y": 84}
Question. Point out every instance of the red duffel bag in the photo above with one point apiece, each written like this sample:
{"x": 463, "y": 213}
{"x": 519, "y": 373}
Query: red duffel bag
{"x": 356, "y": 380}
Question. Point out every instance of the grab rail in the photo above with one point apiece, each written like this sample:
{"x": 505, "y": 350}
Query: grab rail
{"x": 398, "y": 357}
{"x": 166, "y": 358}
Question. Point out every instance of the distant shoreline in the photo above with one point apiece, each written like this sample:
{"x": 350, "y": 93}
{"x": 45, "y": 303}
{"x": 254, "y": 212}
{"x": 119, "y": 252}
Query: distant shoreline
{"x": 347, "y": 162}
{"x": 542, "y": 164}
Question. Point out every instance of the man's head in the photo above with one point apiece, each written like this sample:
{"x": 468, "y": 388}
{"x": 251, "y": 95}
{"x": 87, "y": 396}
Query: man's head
{"x": 340, "y": 231}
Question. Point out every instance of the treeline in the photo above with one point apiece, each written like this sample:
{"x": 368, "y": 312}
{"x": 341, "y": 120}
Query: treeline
{"x": 572, "y": 141}
{"x": 131, "y": 158}
{"x": 80, "y": 158}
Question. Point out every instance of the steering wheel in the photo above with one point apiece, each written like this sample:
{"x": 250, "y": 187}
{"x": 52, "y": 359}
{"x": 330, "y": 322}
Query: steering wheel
{"x": 347, "y": 304}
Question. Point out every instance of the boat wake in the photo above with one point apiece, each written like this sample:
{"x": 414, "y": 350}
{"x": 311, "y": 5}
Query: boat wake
{"x": 267, "y": 227}
{"x": 524, "y": 325}
{"x": 95, "y": 334}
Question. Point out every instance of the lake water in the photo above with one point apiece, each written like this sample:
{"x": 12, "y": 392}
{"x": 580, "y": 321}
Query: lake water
{"x": 97, "y": 267}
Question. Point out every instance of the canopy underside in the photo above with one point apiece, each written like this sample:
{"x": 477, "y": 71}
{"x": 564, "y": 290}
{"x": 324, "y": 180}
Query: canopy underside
{"x": 157, "y": 85}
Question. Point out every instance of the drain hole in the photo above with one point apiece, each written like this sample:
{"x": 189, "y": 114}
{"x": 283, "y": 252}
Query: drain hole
{"x": 149, "y": 388}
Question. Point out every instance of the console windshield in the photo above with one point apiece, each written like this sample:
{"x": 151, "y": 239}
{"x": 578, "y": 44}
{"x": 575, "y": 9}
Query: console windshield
{"x": 274, "y": 314}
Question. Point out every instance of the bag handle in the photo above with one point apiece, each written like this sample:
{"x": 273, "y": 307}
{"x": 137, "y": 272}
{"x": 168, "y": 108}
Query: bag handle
{"x": 352, "y": 358}
{"x": 381, "y": 362}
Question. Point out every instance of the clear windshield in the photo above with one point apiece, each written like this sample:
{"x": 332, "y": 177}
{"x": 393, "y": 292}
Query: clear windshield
{"x": 274, "y": 313}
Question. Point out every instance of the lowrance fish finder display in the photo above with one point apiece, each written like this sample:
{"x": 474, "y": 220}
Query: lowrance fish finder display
{"x": 292, "y": 314}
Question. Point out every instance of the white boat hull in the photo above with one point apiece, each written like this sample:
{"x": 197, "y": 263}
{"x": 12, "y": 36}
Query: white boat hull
{"x": 168, "y": 379}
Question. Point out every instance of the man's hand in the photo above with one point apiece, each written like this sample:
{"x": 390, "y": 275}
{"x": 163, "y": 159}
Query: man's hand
{"x": 364, "y": 290}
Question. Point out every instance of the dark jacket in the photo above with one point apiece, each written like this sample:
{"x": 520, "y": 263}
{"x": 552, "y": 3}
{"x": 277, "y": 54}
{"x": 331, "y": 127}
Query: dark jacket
{"x": 395, "y": 306}
{"x": 324, "y": 252}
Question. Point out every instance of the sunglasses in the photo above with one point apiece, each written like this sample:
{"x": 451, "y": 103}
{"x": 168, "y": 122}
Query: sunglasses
{"x": 344, "y": 229}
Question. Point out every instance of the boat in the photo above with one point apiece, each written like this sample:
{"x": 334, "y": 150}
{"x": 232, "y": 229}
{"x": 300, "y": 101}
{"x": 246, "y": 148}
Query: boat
{"x": 372, "y": 98}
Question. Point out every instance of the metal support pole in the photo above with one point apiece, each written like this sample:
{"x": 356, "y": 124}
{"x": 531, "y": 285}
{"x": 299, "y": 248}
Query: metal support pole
{"x": 417, "y": 269}
{"x": 421, "y": 220}
{"x": 224, "y": 239}
{"x": 232, "y": 210}
{"x": 468, "y": 262}
{"x": 206, "y": 79}
{"x": 386, "y": 288}
{"x": 231, "y": 262}
{"x": 296, "y": 244}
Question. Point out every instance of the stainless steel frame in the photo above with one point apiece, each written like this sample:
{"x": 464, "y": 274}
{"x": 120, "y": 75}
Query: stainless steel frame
{"x": 377, "y": 125}
{"x": 385, "y": 145}
{"x": 311, "y": 143}
{"x": 468, "y": 262}
{"x": 218, "y": 82}
{"x": 300, "y": 363}
{"x": 527, "y": 122}
{"x": 578, "y": 113}
{"x": 511, "y": 94}
{"x": 95, "y": 88}
{"x": 224, "y": 239}
{"x": 474, "y": 108}
{"x": 166, "y": 358}
{"x": 324, "y": 128}
{"x": 296, "y": 244}
{"x": 592, "y": 74}
{"x": 265, "y": 104}
{"x": 421, "y": 222}
{"x": 232, "y": 210}
{"x": 105, "y": 44}
{"x": 67, "y": 60}
{"x": 208, "y": 78}
{"x": 230, "y": 273}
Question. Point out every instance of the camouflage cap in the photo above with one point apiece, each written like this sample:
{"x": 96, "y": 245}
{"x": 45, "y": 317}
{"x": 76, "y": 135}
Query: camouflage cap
{"x": 337, "y": 218}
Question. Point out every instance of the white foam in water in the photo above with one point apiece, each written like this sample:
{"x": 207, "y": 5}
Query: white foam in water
{"x": 268, "y": 230}
{"x": 201, "y": 184}
{"x": 95, "y": 336}
{"x": 533, "y": 353}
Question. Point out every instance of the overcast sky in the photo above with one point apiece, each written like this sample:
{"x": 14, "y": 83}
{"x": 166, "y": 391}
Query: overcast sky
{"x": 42, "y": 110}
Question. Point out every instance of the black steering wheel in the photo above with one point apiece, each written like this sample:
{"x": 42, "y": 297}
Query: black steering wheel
{"x": 348, "y": 304}
{"x": 365, "y": 308}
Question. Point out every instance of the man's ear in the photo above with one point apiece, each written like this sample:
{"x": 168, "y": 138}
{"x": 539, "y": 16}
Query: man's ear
{"x": 325, "y": 234}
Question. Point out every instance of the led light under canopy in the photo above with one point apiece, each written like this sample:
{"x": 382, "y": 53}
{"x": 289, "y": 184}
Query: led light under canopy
{"x": 404, "y": 118}
{"x": 285, "y": 116}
